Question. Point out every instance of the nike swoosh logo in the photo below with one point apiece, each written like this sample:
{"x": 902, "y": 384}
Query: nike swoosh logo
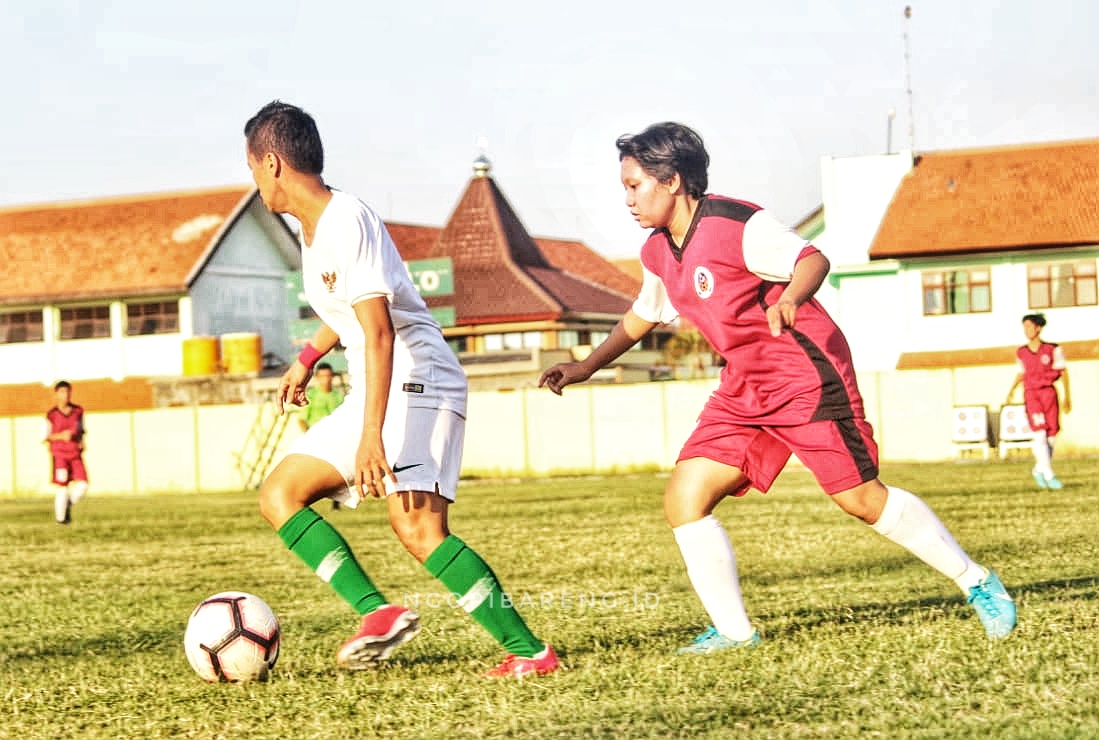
{"x": 401, "y": 469}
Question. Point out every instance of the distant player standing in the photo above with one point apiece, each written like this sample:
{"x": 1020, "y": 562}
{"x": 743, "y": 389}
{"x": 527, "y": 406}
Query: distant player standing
{"x": 1041, "y": 364}
{"x": 65, "y": 436}
{"x": 747, "y": 283}
{"x": 399, "y": 432}
{"x": 322, "y": 398}
{"x": 320, "y": 401}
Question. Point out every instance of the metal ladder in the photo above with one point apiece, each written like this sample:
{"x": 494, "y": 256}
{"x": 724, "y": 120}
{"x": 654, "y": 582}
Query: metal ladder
{"x": 255, "y": 459}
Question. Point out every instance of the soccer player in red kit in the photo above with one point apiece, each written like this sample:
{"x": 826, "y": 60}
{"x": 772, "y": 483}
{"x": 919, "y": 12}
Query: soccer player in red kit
{"x": 788, "y": 386}
{"x": 65, "y": 435}
{"x": 1041, "y": 364}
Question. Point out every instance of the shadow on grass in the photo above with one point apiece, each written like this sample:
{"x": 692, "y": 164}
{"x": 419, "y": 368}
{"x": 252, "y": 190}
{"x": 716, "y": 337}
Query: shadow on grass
{"x": 799, "y": 621}
{"x": 123, "y": 642}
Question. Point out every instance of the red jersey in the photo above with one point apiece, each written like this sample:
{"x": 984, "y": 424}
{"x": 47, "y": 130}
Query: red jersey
{"x": 735, "y": 261}
{"x": 73, "y": 421}
{"x": 1040, "y": 369}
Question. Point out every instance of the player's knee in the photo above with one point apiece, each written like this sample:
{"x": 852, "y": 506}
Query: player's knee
{"x": 420, "y": 538}
{"x": 865, "y": 501}
{"x": 274, "y": 502}
{"x": 681, "y": 508}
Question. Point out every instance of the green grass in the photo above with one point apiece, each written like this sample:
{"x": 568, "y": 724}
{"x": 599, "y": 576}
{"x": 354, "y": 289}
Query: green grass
{"x": 860, "y": 639}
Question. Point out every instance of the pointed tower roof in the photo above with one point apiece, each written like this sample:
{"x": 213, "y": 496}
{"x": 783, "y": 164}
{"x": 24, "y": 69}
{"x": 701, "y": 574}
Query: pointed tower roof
{"x": 500, "y": 272}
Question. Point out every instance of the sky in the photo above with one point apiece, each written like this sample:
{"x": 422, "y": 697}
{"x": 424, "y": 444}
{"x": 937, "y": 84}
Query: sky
{"x": 132, "y": 96}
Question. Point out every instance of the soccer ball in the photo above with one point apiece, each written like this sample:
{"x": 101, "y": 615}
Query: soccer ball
{"x": 232, "y": 636}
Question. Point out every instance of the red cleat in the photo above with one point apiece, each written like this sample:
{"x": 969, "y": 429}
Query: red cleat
{"x": 515, "y": 666}
{"x": 382, "y": 631}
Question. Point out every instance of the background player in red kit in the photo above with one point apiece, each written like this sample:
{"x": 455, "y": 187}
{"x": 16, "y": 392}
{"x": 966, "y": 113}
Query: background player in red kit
{"x": 65, "y": 435}
{"x": 1041, "y": 364}
{"x": 747, "y": 283}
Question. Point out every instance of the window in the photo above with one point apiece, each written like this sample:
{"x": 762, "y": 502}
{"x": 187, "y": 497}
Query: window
{"x": 1062, "y": 284}
{"x": 160, "y": 317}
{"x": 567, "y": 338}
{"x": 88, "y": 322}
{"x": 957, "y": 291}
{"x": 20, "y": 326}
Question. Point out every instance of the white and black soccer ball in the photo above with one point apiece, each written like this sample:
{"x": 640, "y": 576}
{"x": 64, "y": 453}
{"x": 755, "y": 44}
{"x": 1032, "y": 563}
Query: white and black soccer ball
{"x": 232, "y": 636}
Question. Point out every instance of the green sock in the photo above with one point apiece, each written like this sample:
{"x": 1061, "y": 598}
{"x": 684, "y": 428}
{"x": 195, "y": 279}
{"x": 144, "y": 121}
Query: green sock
{"x": 478, "y": 590}
{"x": 328, "y": 555}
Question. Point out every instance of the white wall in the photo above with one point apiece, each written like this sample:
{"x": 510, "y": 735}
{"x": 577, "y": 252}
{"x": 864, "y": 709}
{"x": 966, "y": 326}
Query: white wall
{"x": 590, "y": 429}
{"x": 855, "y": 192}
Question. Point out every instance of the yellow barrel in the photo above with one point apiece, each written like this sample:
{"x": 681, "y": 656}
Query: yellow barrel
{"x": 241, "y": 353}
{"x": 200, "y": 356}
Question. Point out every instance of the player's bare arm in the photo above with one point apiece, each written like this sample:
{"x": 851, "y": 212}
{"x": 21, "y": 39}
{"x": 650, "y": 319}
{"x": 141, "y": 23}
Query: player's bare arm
{"x": 1067, "y": 396}
{"x": 1011, "y": 391}
{"x": 625, "y": 334}
{"x": 808, "y": 275}
{"x": 296, "y": 378}
{"x": 371, "y": 465}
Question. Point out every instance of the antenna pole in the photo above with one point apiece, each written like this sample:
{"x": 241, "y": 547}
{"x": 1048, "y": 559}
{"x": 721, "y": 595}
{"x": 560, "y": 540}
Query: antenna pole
{"x": 908, "y": 82}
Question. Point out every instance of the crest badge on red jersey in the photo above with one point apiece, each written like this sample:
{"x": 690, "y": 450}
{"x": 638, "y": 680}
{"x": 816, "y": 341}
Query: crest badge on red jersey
{"x": 704, "y": 282}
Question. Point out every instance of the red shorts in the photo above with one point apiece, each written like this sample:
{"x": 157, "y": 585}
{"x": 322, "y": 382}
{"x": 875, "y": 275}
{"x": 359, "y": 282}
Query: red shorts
{"x": 841, "y": 454}
{"x": 1043, "y": 411}
{"x": 67, "y": 469}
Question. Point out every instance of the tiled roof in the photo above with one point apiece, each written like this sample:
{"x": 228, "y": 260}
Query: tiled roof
{"x": 581, "y": 260}
{"x": 502, "y": 274}
{"x": 413, "y": 241}
{"x": 982, "y": 200}
{"x": 134, "y": 245}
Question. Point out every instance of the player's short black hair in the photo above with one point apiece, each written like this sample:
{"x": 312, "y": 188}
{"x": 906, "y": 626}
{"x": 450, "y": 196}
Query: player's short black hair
{"x": 322, "y": 366}
{"x": 289, "y": 132}
{"x": 63, "y": 384}
{"x": 665, "y": 149}
{"x": 1038, "y": 319}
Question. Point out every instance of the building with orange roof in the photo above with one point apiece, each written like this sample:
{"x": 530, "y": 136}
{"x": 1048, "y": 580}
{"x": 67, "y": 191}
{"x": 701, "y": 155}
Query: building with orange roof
{"x": 521, "y": 303}
{"x": 110, "y": 288}
{"x": 969, "y": 242}
{"x": 109, "y": 292}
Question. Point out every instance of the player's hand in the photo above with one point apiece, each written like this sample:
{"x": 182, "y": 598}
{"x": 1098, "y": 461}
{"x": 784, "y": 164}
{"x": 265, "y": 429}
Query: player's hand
{"x": 562, "y": 374}
{"x": 371, "y": 467}
{"x": 66, "y": 434}
{"x": 1068, "y": 406}
{"x": 781, "y": 315}
{"x": 292, "y": 387}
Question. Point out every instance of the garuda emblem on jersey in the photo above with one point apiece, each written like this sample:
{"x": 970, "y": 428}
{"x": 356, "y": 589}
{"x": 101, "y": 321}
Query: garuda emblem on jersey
{"x": 704, "y": 282}
{"x": 329, "y": 279}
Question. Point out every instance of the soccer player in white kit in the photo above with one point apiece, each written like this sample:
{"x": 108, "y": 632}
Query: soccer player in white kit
{"x": 399, "y": 433}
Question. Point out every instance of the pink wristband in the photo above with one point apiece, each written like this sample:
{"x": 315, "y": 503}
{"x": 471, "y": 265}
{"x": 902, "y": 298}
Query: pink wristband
{"x": 309, "y": 356}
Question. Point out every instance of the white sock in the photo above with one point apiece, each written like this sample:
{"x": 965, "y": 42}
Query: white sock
{"x": 77, "y": 488}
{"x": 60, "y": 503}
{"x": 911, "y": 523}
{"x": 711, "y": 566}
{"x": 1041, "y": 449}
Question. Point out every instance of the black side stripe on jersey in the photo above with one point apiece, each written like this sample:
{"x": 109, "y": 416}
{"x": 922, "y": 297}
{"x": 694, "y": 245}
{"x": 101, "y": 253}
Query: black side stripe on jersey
{"x": 849, "y": 432}
{"x": 834, "y": 402}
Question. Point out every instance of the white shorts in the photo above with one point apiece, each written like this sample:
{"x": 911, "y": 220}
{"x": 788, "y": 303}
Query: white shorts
{"x": 424, "y": 446}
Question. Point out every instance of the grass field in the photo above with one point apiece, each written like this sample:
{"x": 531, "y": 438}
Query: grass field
{"x": 860, "y": 639}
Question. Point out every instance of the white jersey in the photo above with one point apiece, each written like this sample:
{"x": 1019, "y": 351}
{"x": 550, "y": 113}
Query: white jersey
{"x": 352, "y": 258}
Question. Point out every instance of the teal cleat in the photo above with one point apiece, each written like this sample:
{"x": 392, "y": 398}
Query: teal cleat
{"x": 994, "y": 606}
{"x": 1040, "y": 479}
{"x": 1053, "y": 484}
{"x": 711, "y": 641}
